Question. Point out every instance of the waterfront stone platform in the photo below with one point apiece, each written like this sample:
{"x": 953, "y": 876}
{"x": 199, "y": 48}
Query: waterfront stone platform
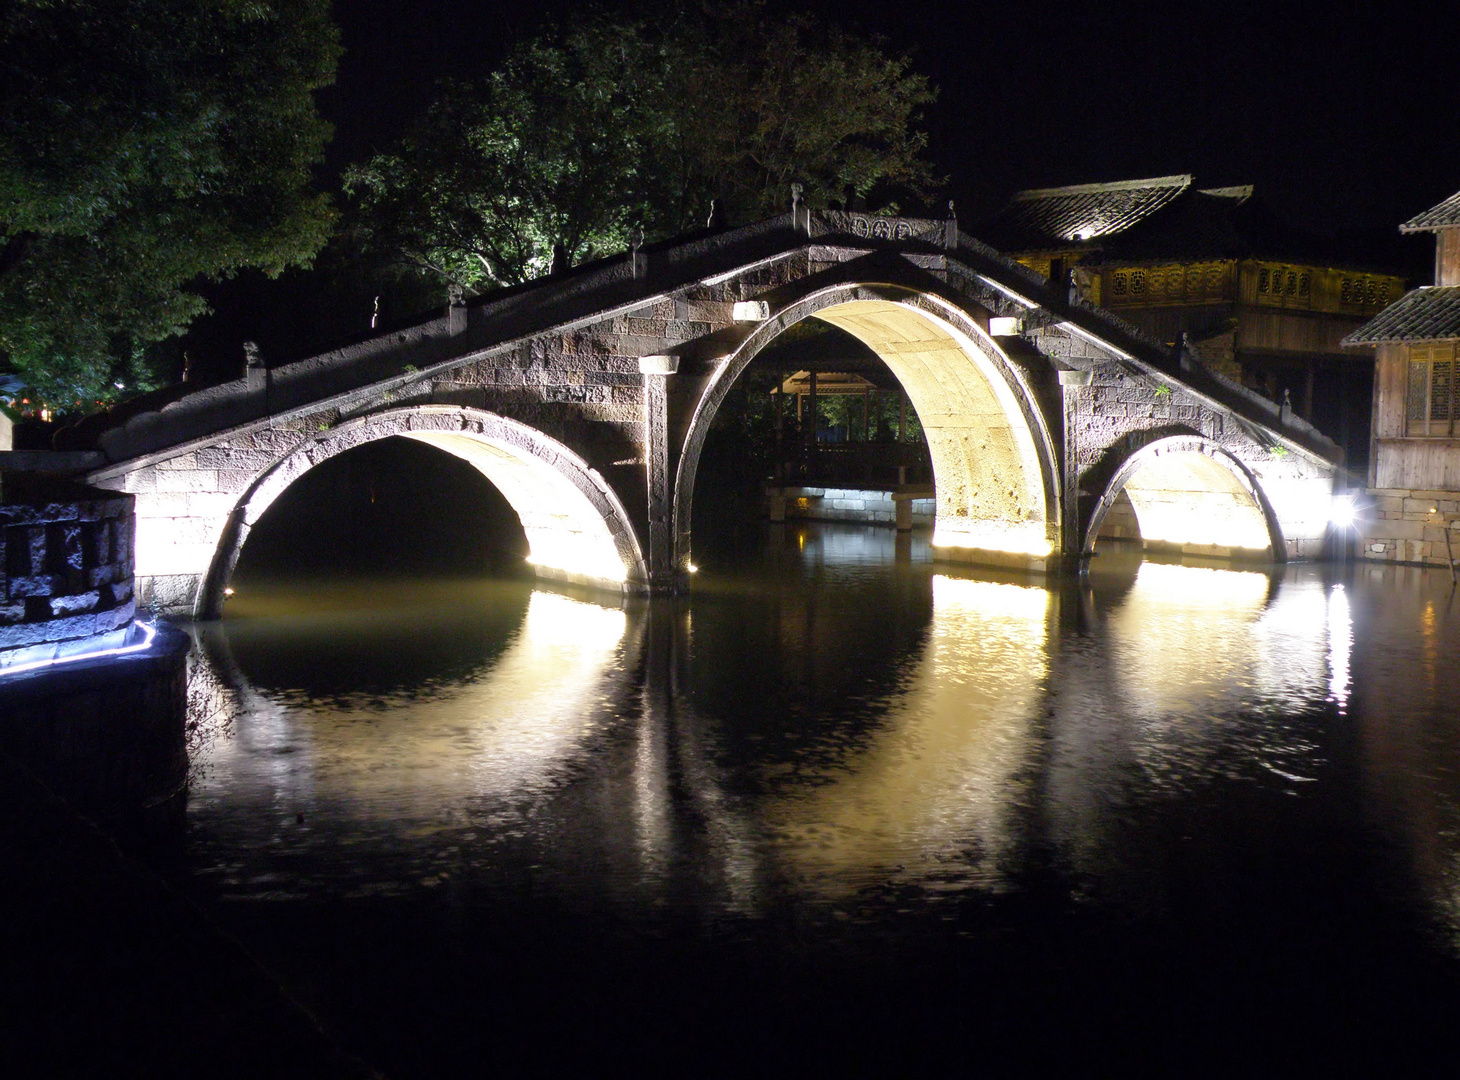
{"x": 904, "y": 507}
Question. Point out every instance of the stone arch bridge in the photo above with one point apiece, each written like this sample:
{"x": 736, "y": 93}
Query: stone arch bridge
{"x": 586, "y": 399}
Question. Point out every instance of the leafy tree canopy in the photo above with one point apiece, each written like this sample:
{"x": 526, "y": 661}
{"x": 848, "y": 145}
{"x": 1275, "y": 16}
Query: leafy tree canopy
{"x": 581, "y": 137}
{"x": 145, "y": 145}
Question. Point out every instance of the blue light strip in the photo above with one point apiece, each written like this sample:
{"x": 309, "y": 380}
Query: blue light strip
{"x": 148, "y": 629}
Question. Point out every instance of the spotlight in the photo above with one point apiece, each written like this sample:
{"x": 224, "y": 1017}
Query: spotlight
{"x": 1342, "y": 511}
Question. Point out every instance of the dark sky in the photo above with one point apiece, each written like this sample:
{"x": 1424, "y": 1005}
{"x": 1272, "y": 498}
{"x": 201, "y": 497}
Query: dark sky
{"x": 1343, "y": 114}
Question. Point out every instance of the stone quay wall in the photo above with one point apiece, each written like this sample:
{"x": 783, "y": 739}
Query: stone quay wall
{"x": 863, "y": 506}
{"x": 65, "y": 569}
{"x": 1406, "y": 526}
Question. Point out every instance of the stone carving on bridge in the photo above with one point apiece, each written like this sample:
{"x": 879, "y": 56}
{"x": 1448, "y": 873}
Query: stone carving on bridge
{"x": 878, "y": 227}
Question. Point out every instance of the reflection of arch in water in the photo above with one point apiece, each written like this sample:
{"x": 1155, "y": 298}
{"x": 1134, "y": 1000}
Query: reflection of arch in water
{"x": 505, "y": 731}
{"x": 1194, "y": 675}
{"x": 993, "y": 458}
{"x": 938, "y": 778}
{"x": 1191, "y": 496}
{"x": 576, "y": 528}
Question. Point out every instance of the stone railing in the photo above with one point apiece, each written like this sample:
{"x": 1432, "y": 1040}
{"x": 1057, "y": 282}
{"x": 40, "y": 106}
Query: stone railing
{"x": 65, "y": 569}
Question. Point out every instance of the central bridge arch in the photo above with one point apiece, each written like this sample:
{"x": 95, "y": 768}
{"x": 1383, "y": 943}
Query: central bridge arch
{"x": 577, "y": 529}
{"x": 994, "y": 464}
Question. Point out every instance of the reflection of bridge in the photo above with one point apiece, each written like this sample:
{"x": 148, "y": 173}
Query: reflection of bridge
{"x": 586, "y": 399}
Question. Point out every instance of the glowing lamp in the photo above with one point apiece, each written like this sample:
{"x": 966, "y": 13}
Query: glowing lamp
{"x": 1341, "y": 511}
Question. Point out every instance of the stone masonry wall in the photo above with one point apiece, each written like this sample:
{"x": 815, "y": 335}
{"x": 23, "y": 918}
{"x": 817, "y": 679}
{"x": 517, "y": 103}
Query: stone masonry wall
{"x": 65, "y": 568}
{"x": 581, "y": 386}
{"x": 1124, "y": 409}
{"x": 1407, "y": 526}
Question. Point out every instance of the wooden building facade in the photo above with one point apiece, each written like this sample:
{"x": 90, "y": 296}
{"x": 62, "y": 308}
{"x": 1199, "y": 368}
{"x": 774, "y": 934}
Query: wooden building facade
{"x": 1414, "y": 460}
{"x": 1257, "y": 302}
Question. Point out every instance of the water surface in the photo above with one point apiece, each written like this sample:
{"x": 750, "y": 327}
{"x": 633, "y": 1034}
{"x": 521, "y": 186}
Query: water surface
{"x": 843, "y": 806}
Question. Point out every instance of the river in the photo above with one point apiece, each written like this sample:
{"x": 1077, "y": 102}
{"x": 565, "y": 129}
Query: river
{"x": 843, "y": 807}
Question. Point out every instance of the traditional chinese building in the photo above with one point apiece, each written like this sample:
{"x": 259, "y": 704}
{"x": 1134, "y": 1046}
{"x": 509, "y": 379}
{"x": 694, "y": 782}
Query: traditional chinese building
{"x": 1414, "y": 460}
{"x": 1259, "y": 302}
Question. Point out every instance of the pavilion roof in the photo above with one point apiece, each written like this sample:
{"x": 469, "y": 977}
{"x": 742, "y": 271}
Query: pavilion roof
{"x": 1442, "y": 216}
{"x": 1061, "y": 216}
{"x": 1431, "y": 313}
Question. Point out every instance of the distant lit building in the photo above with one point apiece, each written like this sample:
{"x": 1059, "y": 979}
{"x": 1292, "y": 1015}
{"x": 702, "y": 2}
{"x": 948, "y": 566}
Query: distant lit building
{"x": 1414, "y": 460}
{"x": 1259, "y": 302}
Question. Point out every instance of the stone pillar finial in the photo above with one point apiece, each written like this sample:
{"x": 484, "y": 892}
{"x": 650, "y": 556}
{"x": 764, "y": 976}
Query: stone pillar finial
{"x": 255, "y": 374}
{"x": 950, "y": 229}
{"x": 638, "y": 261}
{"x": 455, "y": 308}
{"x": 800, "y": 212}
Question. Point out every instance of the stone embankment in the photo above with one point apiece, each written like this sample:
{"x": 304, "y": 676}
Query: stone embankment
{"x": 1410, "y": 526}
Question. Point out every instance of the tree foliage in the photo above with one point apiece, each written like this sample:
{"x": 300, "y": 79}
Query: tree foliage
{"x": 145, "y": 145}
{"x": 552, "y": 149}
{"x": 580, "y": 138}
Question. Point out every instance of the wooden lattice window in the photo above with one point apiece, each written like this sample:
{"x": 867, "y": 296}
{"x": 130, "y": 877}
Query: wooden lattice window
{"x": 1432, "y": 400}
{"x": 1278, "y": 283}
{"x": 1363, "y": 292}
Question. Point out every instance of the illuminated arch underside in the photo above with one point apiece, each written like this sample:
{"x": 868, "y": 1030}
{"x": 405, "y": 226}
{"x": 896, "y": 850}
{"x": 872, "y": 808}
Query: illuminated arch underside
{"x": 566, "y": 535}
{"x": 1188, "y": 500}
{"x": 990, "y": 495}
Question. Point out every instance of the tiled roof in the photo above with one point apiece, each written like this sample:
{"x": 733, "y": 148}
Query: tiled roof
{"x": 1436, "y": 217}
{"x": 1428, "y": 314}
{"x": 1085, "y": 211}
{"x": 1242, "y": 192}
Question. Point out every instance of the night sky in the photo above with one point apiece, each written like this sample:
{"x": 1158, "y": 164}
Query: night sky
{"x": 1343, "y": 114}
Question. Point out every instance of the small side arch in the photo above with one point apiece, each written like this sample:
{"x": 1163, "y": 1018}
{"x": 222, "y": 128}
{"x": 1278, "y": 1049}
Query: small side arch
{"x": 576, "y": 526}
{"x": 994, "y": 463}
{"x": 1191, "y": 495}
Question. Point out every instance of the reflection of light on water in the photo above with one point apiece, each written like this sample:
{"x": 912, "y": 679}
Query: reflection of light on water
{"x": 935, "y": 782}
{"x": 1340, "y": 644}
{"x": 1185, "y": 635}
{"x": 413, "y": 759}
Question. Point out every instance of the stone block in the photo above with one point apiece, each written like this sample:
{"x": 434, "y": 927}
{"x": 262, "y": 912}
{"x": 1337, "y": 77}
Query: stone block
{"x": 75, "y": 603}
{"x": 181, "y": 461}
{"x": 1404, "y": 530}
{"x": 35, "y": 585}
{"x": 162, "y": 504}
{"x": 1414, "y": 505}
{"x": 107, "y": 574}
{"x": 210, "y": 503}
{"x": 188, "y": 480}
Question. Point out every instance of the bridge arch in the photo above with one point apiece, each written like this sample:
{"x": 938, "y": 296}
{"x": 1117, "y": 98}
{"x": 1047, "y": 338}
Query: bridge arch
{"x": 1190, "y": 494}
{"x": 994, "y": 463}
{"x": 577, "y": 529}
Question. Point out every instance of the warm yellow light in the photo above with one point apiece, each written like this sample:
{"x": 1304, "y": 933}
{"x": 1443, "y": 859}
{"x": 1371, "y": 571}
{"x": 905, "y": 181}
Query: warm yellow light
{"x": 565, "y": 533}
{"x": 1187, "y": 498}
{"x": 575, "y": 560}
{"x": 1012, "y": 537}
{"x": 936, "y": 776}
